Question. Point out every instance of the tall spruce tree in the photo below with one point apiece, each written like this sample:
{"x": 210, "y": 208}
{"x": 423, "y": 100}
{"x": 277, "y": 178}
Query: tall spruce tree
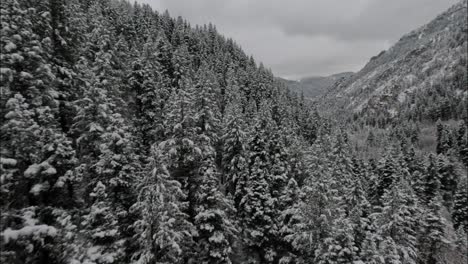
{"x": 398, "y": 222}
{"x": 163, "y": 231}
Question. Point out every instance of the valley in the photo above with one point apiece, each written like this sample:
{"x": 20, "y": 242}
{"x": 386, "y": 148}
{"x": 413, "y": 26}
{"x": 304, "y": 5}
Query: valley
{"x": 129, "y": 135}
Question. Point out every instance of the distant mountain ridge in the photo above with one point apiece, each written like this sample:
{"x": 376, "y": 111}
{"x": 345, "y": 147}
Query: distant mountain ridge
{"x": 315, "y": 86}
{"x": 422, "y": 76}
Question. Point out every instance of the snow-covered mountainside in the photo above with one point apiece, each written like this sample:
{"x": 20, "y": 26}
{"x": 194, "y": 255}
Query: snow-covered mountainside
{"x": 416, "y": 77}
{"x": 130, "y": 136}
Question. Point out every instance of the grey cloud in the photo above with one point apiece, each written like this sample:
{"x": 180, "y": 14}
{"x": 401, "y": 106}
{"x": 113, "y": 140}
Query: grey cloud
{"x": 376, "y": 20}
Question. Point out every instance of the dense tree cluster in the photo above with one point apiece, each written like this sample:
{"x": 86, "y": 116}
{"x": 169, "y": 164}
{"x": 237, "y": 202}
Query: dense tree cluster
{"x": 129, "y": 136}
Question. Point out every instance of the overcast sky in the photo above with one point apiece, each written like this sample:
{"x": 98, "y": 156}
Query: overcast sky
{"x": 298, "y": 38}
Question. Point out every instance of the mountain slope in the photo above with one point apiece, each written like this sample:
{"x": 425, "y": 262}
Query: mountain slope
{"x": 422, "y": 76}
{"x": 123, "y": 130}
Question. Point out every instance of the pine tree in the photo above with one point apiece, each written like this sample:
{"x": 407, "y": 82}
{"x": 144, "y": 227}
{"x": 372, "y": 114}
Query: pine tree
{"x": 283, "y": 189}
{"x": 145, "y": 81}
{"x": 414, "y": 162}
{"x": 387, "y": 172}
{"x": 110, "y": 167}
{"x": 39, "y": 155}
{"x": 461, "y": 245}
{"x": 101, "y": 225}
{"x": 207, "y": 114}
{"x": 433, "y": 235}
{"x": 181, "y": 65}
{"x": 29, "y": 128}
{"x": 431, "y": 180}
{"x": 287, "y": 221}
{"x": 214, "y": 228}
{"x": 234, "y": 151}
{"x": 181, "y": 146}
{"x": 314, "y": 215}
{"x": 389, "y": 252}
{"x": 462, "y": 143}
{"x": 398, "y": 222}
{"x": 368, "y": 251}
{"x": 371, "y": 139}
{"x": 357, "y": 210}
{"x": 460, "y": 211}
{"x": 163, "y": 232}
{"x": 339, "y": 246}
{"x": 256, "y": 209}
{"x": 443, "y": 139}
{"x": 342, "y": 169}
{"x": 449, "y": 178}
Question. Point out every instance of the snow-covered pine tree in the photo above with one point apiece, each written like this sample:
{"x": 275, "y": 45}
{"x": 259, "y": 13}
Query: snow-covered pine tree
{"x": 211, "y": 209}
{"x": 234, "y": 150}
{"x": 101, "y": 231}
{"x": 181, "y": 145}
{"x": 398, "y": 223}
{"x": 37, "y": 153}
{"x": 144, "y": 80}
{"x": 256, "y": 208}
{"x": 314, "y": 215}
{"x": 287, "y": 221}
{"x": 460, "y": 210}
{"x": 442, "y": 138}
{"x": 284, "y": 192}
{"x": 431, "y": 180}
{"x": 317, "y": 207}
{"x": 215, "y": 230}
{"x": 339, "y": 246}
{"x": 461, "y": 245}
{"x": 387, "y": 171}
{"x": 207, "y": 114}
{"x": 109, "y": 168}
{"x": 432, "y": 235}
{"x": 105, "y": 146}
{"x": 449, "y": 177}
{"x": 357, "y": 209}
{"x": 163, "y": 231}
{"x": 462, "y": 142}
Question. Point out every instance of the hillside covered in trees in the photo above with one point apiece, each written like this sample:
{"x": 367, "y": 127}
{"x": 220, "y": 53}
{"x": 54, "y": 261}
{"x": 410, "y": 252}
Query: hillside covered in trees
{"x": 130, "y": 136}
